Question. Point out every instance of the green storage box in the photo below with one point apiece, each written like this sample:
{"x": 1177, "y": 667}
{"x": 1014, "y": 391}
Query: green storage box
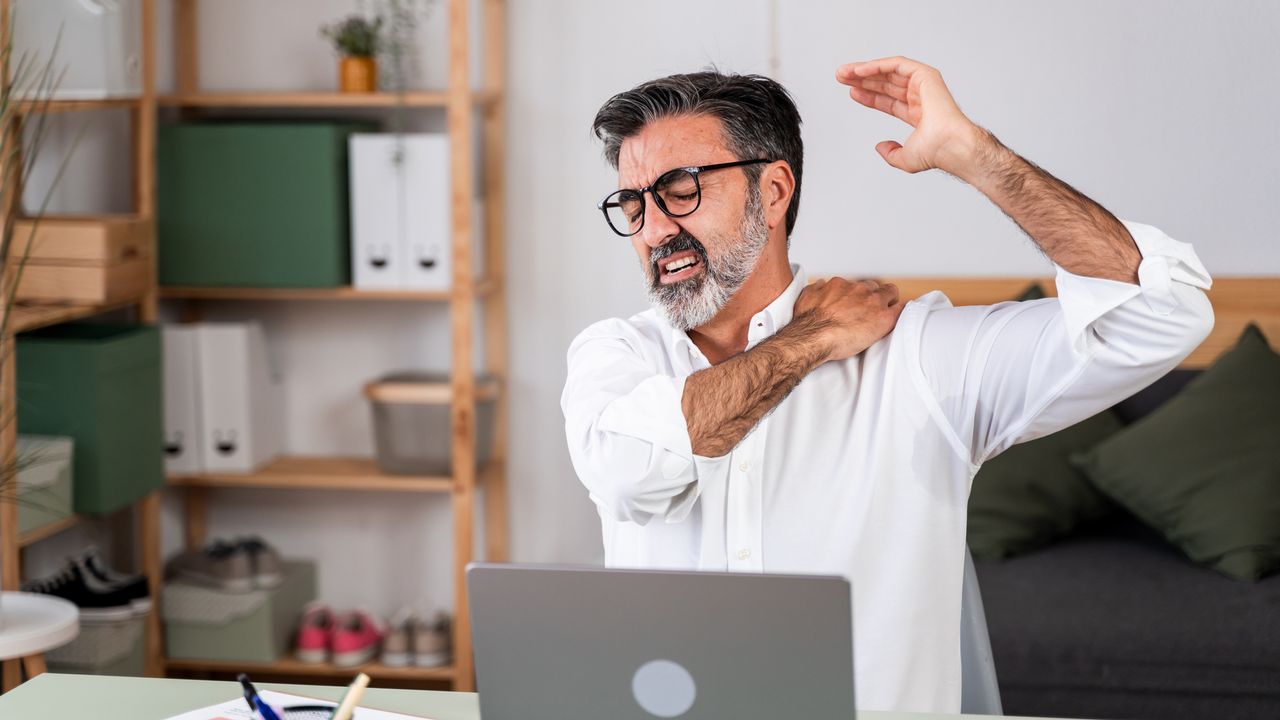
{"x": 201, "y": 623}
{"x": 99, "y": 385}
{"x": 44, "y": 480}
{"x": 261, "y": 204}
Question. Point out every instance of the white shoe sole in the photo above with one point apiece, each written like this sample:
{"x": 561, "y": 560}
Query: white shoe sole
{"x": 314, "y": 657}
{"x": 267, "y": 582}
{"x": 430, "y": 659}
{"x": 355, "y": 657}
{"x": 396, "y": 659}
{"x": 242, "y": 585}
{"x": 141, "y": 606}
{"x": 110, "y": 614}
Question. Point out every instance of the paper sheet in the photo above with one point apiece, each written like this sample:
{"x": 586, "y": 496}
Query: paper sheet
{"x": 238, "y": 710}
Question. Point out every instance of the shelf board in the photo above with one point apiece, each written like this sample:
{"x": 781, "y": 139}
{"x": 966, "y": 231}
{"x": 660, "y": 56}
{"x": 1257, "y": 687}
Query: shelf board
{"x": 320, "y": 473}
{"x": 27, "y": 107}
{"x": 482, "y": 287}
{"x": 291, "y": 666}
{"x": 317, "y": 99}
{"x": 34, "y": 317}
{"x": 40, "y": 533}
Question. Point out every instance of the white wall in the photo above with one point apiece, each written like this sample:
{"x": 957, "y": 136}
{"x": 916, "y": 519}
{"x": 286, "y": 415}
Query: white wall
{"x": 1162, "y": 111}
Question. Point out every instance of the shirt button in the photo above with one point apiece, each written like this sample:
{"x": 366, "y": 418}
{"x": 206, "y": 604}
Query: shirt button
{"x": 744, "y": 466}
{"x": 744, "y": 553}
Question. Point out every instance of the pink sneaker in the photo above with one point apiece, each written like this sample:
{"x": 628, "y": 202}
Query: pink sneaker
{"x": 315, "y": 633}
{"x": 356, "y": 639}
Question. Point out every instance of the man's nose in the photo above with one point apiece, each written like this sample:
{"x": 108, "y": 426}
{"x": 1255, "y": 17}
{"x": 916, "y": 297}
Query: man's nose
{"x": 658, "y": 228}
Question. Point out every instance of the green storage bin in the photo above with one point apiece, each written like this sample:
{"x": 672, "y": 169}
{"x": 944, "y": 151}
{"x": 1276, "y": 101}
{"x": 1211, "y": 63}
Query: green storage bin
{"x": 99, "y": 385}
{"x": 201, "y": 623}
{"x": 262, "y": 204}
{"x": 44, "y": 480}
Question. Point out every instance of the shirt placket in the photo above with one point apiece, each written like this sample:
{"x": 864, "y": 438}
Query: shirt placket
{"x": 745, "y": 519}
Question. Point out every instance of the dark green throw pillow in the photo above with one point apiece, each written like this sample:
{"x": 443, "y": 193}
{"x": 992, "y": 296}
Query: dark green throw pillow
{"x": 1033, "y": 292}
{"x": 1030, "y": 494}
{"x": 1204, "y": 469}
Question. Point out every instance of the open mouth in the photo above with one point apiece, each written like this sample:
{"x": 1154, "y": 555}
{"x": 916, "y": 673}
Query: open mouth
{"x": 678, "y": 266}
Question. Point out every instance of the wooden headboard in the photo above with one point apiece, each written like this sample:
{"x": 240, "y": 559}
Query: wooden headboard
{"x": 1237, "y": 301}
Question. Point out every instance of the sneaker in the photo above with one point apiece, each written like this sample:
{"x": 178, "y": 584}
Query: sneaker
{"x": 356, "y": 639}
{"x": 431, "y": 641}
{"x": 396, "y": 650}
{"x": 135, "y": 586}
{"x": 264, "y": 560}
{"x": 219, "y": 565}
{"x": 100, "y": 605}
{"x": 315, "y": 633}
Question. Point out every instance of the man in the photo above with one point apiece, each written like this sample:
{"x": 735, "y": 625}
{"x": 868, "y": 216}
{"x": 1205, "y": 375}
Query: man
{"x": 752, "y": 422}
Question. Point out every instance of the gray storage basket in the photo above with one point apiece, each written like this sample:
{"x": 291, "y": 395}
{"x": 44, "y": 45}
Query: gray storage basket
{"x": 411, "y": 422}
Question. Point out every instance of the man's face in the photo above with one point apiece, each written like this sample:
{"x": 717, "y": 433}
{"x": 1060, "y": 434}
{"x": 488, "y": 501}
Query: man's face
{"x": 693, "y": 264}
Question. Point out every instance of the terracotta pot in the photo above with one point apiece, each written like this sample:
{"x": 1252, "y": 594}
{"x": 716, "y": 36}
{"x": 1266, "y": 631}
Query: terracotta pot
{"x": 358, "y": 74}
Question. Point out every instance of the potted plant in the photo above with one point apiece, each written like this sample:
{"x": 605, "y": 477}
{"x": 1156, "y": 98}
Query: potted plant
{"x": 357, "y": 39}
{"x": 26, "y": 88}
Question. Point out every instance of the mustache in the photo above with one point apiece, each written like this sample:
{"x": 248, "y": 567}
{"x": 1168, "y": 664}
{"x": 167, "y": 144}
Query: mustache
{"x": 680, "y": 243}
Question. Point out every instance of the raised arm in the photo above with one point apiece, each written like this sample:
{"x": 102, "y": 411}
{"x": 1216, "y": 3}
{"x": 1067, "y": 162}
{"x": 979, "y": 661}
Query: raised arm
{"x": 1130, "y": 304}
{"x": 1076, "y": 233}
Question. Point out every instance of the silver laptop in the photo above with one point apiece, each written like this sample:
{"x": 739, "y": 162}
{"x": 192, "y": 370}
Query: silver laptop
{"x": 570, "y": 643}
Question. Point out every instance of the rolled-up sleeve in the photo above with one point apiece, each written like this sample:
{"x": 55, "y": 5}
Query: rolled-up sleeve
{"x": 626, "y": 428}
{"x": 1012, "y": 372}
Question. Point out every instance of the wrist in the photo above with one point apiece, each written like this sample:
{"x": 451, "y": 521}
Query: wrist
{"x": 808, "y": 340}
{"x": 976, "y": 157}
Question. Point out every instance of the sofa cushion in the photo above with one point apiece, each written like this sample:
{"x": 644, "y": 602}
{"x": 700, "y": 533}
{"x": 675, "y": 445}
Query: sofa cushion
{"x": 1030, "y": 494}
{"x": 1204, "y": 469}
{"x": 1113, "y": 622}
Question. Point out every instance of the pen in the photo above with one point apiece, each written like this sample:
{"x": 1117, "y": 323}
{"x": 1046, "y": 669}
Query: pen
{"x": 351, "y": 698}
{"x": 255, "y": 702}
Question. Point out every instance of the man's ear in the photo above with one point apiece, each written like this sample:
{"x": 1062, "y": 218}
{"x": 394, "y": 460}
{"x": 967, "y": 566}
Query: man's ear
{"x": 777, "y": 185}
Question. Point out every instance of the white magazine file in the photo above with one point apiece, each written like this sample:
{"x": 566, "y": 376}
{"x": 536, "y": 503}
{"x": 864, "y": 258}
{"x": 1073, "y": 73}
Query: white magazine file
{"x": 182, "y": 433}
{"x": 242, "y": 398}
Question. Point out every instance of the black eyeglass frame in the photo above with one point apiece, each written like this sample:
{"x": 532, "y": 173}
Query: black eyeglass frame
{"x": 694, "y": 170}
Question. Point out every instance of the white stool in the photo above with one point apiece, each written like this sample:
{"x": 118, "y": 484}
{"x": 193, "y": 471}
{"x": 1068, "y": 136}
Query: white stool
{"x": 32, "y": 623}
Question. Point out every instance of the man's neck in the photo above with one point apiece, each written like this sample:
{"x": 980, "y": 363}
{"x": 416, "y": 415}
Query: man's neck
{"x": 725, "y": 335}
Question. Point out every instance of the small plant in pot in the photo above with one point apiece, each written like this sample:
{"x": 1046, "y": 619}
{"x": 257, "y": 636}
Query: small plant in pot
{"x": 357, "y": 39}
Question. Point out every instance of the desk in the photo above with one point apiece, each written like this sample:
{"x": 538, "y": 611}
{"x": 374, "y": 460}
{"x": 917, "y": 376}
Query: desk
{"x": 73, "y": 697}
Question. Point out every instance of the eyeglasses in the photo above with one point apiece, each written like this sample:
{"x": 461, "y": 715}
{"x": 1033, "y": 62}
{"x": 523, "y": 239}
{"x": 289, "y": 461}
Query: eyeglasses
{"x": 677, "y": 193}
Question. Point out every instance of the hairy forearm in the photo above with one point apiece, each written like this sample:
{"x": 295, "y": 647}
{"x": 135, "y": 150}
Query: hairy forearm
{"x": 723, "y": 403}
{"x": 1075, "y": 232}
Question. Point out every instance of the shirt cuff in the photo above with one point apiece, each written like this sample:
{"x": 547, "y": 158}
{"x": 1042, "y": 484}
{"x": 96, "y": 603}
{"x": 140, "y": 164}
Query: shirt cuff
{"x": 1164, "y": 262}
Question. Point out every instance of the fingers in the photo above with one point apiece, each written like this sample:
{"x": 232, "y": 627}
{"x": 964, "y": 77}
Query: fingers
{"x": 890, "y": 150}
{"x": 866, "y": 68}
{"x": 889, "y": 104}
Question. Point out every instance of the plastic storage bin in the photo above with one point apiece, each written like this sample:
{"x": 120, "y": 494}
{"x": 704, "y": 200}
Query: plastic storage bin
{"x": 44, "y": 481}
{"x": 254, "y": 204}
{"x": 411, "y": 423}
{"x": 103, "y": 648}
{"x": 99, "y": 385}
{"x": 100, "y": 50}
{"x": 201, "y": 623}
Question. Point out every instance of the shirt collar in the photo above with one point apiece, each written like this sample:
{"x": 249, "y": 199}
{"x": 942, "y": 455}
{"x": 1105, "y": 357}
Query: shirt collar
{"x": 765, "y": 323}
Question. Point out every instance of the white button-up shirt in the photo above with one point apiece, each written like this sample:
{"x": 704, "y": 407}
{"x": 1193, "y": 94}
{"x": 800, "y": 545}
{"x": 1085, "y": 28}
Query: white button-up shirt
{"x": 864, "y": 469}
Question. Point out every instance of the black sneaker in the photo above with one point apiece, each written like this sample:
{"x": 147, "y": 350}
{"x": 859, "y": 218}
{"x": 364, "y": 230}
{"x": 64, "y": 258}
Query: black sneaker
{"x": 99, "y": 605}
{"x": 135, "y": 587}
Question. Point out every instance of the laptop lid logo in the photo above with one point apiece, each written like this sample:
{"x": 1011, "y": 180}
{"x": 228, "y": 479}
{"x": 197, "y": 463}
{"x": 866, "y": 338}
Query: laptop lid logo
{"x": 664, "y": 688}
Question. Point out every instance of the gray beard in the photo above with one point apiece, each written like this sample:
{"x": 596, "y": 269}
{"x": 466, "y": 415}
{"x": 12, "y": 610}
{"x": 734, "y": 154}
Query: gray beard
{"x": 694, "y": 302}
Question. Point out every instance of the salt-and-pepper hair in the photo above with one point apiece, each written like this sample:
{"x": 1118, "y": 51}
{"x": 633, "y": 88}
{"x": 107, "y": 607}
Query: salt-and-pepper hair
{"x": 759, "y": 118}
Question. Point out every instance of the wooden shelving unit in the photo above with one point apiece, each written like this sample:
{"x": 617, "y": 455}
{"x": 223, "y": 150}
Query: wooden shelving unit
{"x": 31, "y": 317}
{"x": 463, "y": 106}
{"x": 414, "y": 99}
